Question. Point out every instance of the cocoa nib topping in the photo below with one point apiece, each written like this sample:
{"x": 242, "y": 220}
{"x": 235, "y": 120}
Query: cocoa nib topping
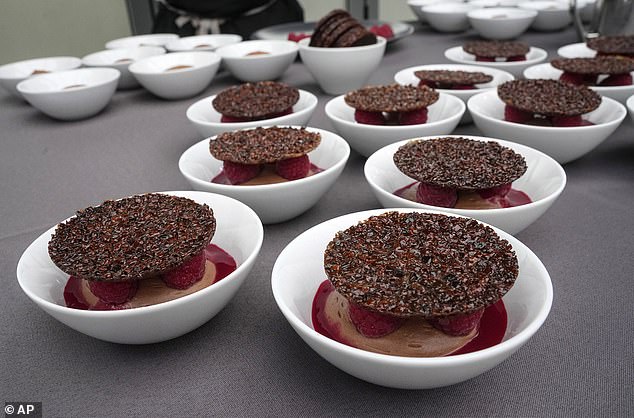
{"x": 600, "y": 65}
{"x": 263, "y": 145}
{"x": 496, "y": 49}
{"x": 391, "y": 98}
{"x": 549, "y": 97}
{"x": 255, "y": 100}
{"x": 453, "y": 77}
{"x": 460, "y": 163}
{"x": 133, "y": 238}
{"x": 617, "y": 44}
{"x": 420, "y": 264}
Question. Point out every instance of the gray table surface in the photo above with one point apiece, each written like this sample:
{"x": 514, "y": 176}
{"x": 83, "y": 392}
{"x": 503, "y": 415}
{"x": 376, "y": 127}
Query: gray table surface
{"x": 247, "y": 360}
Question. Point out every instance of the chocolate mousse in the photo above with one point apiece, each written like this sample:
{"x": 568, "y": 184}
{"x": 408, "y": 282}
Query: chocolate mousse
{"x": 338, "y": 29}
{"x": 600, "y": 71}
{"x": 255, "y": 101}
{"x": 452, "y": 80}
{"x": 497, "y": 51}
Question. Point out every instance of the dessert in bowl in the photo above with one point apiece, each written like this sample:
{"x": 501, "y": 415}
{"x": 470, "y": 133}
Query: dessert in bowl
{"x": 202, "y": 42}
{"x": 448, "y": 17}
{"x": 501, "y": 22}
{"x": 238, "y": 232}
{"x": 510, "y": 56}
{"x": 551, "y": 15}
{"x": 15, "y": 72}
{"x": 273, "y": 198}
{"x": 304, "y": 265}
{"x": 621, "y": 45}
{"x": 542, "y": 183}
{"x": 258, "y": 60}
{"x": 154, "y": 39}
{"x": 120, "y": 59}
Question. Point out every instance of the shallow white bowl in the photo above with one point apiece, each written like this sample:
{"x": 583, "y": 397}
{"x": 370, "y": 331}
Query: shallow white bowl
{"x": 154, "y": 39}
{"x": 280, "y": 55}
{"x": 501, "y": 22}
{"x": 206, "y": 119}
{"x": 239, "y": 232}
{"x": 406, "y": 76}
{"x": 299, "y": 271}
{"x": 543, "y": 182}
{"x": 578, "y": 50}
{"x": 109, "y": 57}
{"x": 338, "y": 70}
{"x": 563, "y": 144}
{"x": 417, "y": 6}
{"x": 630, "y": 107}
{"x": 15, "y": 72}
{"x": 534, "y": 56}
{"x": 443, "y": 117}
{"x": 448, "y": 17}
{"x": 49, "y": 94}
{"x": 495, "y": 3}
{"x": 272, "y": 202}
{"x": 202, "y": 42}
{"x": 151, "y": 73}
{"x": 551, "y": 15}
{"x": 547, "y": 71}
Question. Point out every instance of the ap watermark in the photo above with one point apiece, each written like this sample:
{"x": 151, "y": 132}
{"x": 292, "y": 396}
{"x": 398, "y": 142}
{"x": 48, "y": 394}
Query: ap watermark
{"x": 23, "y": 409}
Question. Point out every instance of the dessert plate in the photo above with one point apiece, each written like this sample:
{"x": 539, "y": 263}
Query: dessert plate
{"x": 534, "y": 56}
{"x": 299, "y": 270}
{"x": 578, "y": 50}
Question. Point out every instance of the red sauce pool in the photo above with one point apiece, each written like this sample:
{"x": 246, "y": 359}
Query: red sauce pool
{"x": 268, "y": 176}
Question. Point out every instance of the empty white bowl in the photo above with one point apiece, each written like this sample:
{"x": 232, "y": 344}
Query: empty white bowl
{"x": 578, "y": 50}
{"x": 338, "y": 70}
{"x": 563, "y": 144}
{"x": 448, "y": 17}
{"x": 15, "y": 72}
{"x": 279, "y": 55}
{"x": 202, "y": 42}
{"x": 71, "y": 95}
{"x": 501, "y": 22}
{"x": 156, "y": 74}
{"x": 154, "y": 39}
{"x": 299, "y": 270}
{"x": 238, "y": 231}
{"x": 547, "y": 71}
{"x": 272, "y": 202}
{"x": 543, "y": 182}
{"x": 551, "y": 14}
{"x": 534, "y": 56}
{"x": 206, "y": 119}
{"x": 121, "y": 59}
{"x": 442, "y": 118}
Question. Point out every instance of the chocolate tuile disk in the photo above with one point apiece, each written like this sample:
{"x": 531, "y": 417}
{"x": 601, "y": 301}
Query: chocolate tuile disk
{"x": 496, "y": 49}
{"x": 256, "y": 100}
{"x": 614, "y": 44}
{"x": 600, "y": 65}
{"x": 453, "y": 77}
{"x": 391, "y": 98}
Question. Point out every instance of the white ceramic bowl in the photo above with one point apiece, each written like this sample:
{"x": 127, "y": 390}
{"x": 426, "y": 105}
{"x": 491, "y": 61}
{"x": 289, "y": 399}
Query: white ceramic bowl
{"x": 121, "y": 59}
{"x": 202, "y": 42}
{"x": 578, "y": 50}
{"x": 338, "y": 70}
{"x": 299, "y": 271}
{"x": 71, "y": 95}
{"x": 274, "y": 203}
{"x": 15, "y": 72}
{"x": 534, "y": 56}
{"x": 563, "y": 144}
{"x": 547, "y": 71}
{"x": 551, "y": 14}
{"x": 154, "y": 73}
{"x": 495, "y": 3}
{"x": 406, "y": 76}
{"x": 443, "y": 117}
{"x": 448, "y": 17}
{"x": 501, "y": 22}
{"x": 270, "y": 66}
{"x": 630, "y": 107}
{"x": 543, "y": 182}
{"x": 154, "y": 39}
{"x": 417, "y": 6}
{"x": 239, "y": 232}
{"x": 206, "y": 119}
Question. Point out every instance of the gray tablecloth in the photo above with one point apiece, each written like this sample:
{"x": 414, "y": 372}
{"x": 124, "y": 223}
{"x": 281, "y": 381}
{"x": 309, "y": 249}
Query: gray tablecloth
{"x": 248, "y": 360}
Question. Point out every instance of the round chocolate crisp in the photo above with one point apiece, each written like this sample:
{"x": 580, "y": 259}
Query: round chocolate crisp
{"x": 391, "y": 98}
{"x": 459, "y": 163}
{"x": 263, "y": 145}
{"x": 132, "y": 238}
{"x": 324, "y": 24}
{"x": 549, "y": 97}
{"x": 356, "y": 36}
{"x": 600, "y": 65}
{"x": 496, "y": 49}
{"x": 453, "y": 77}
{"x": 256, "y": 100}
{"x": 616, "y": 44}
{"x": 420, "y": 264}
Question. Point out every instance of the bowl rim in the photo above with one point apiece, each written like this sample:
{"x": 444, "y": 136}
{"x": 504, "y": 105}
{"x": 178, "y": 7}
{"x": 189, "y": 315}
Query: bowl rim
{"x": 572, "y": 46}
{"x": 533, "y": 5}
{"x": 170, "y": 45}
{"x": 630, "y": 104}
{"x": 212, "y": 57}
{"x": 112, "y": 75}
{"x": 293, "y": 48}
{"x": 303, "y": 46}
{"x": 11, "y": 64}
{"x": 541, "y": 55}
{"x": 598, "y": 89}
{"x": 86, "y": 59}
{"x": 520, "y": 14}
{"x": 144, "y": 310}
{"x": 509, "y": 345}
{"x": 171, "y": 36}
{"x": 464, "y": 8}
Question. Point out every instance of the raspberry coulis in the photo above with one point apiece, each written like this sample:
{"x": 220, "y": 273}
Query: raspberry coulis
{"x": 266, "y": 176}
{"x": 512, "y": 198}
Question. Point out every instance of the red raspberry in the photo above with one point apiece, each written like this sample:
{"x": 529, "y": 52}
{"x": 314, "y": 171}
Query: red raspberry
{"x": 114, "y": 292}
{"x": 415, "y": 117}
{"x": 495, "y": 191}
{"x": 463, "y": 87}
{"x": 384, "y": 30}
{"x": 187, "y": 273}
{"x": 457, "y": 325}
{"x": 486, "y": 59}
{"x": 293, "y": 168}
{"x": 567, "y": 121}
{"x": 512, "y": 114}
{"x": 617, "y": 80}
{"x": 240, "y": 173}
{"x": 516, "y": 58}
{"x": 578, "y": 79}
{"x": 436, "y": 196}
{"x": 373, "y": 324}
{"x": 428, "y": 83}
{"x": 369, "y": 118}
{"x": 296, "y": 37}
{"x": 231, "y": 119}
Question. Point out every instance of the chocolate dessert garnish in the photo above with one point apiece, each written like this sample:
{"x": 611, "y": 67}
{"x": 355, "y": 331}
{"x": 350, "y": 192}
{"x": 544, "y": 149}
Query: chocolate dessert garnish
{"x": 133, "y": 238}
{"x": 325, "y": 24}
{"x": 549, "y": 97}
{"x": 496, "y": 49}
{"x": 255, "y": 100}
{"x": 420, "y": 264}
{"x": 391, "y": 98}
{"x": 615, "y": 44}
{"x": 459, "y": 163}
{"x": 338, "y": 29}
{"x": 451, "y": 77}
{"x": 599, "y": 65}
{"x": 263, "y": 145}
